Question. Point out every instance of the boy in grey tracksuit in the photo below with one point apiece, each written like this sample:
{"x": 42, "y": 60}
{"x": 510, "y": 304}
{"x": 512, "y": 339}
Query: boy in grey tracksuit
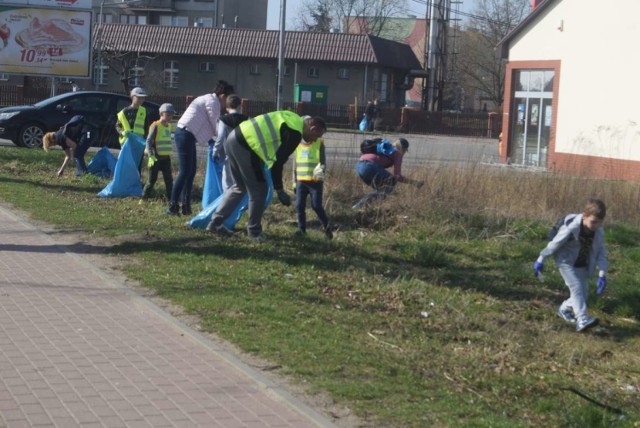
{"x": 578, "y": 248}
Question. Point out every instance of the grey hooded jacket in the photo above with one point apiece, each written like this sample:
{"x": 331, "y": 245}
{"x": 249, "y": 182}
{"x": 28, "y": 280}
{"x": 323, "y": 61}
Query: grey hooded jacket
{"x": 565, "y": 250}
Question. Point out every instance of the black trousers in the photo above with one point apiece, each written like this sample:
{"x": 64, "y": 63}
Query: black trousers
{"x": 163, "y": 164}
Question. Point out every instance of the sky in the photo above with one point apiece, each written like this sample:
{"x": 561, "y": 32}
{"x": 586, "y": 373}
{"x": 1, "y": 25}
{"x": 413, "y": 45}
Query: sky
{"x": 294, "y": 6}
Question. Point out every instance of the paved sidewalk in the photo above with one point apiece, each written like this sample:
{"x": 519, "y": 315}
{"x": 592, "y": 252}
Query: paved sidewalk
{"x": 79, "y": 349}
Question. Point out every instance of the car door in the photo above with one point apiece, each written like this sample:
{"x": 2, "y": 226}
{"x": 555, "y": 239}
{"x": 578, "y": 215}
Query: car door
{"x": 99, "y": 111}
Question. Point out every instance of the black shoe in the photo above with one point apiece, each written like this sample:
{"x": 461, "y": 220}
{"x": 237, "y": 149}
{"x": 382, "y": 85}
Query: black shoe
{"x": 328, "y": 232}
{"x": 186, "y": 210}
{"x": 172, "y": 210}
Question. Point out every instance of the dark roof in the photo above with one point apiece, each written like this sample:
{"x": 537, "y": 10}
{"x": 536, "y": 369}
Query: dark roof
{"x": 234, "y": 42}
{"x": 503, "y": 46}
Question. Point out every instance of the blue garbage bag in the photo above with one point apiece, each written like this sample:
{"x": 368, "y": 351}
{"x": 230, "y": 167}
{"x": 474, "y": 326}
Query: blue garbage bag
{"x": 363, "y": 124}
{"x": 202, "y": 219}
{"x": 102, "y": 164}
{"x": 212, "y": 179}
{"x": 126, "y": 177}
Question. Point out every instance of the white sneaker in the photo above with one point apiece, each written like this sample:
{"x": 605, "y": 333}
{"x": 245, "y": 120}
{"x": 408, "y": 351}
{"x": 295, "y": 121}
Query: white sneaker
{"x": 586, "y": 323}
{"x": 566, "y": 313}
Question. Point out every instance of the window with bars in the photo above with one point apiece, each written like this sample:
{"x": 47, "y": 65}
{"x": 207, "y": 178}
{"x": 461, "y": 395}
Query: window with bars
{"x": 313, "y": 72}
{"x": 171, "y": 71}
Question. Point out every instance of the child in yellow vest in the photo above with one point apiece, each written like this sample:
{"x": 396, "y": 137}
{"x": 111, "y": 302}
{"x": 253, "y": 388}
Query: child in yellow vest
{"x": 308, "y": 170}
{"x": 159, "y": 148}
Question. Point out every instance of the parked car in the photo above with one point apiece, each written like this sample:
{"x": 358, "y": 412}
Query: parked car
{"x": 25, "y": 125}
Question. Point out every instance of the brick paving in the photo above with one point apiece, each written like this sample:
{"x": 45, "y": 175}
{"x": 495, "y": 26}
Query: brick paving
{"x": 79, "y": 349}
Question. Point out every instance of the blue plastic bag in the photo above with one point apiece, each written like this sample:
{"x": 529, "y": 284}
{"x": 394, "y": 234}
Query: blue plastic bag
{"x": 126, "y": 177}
{"x": 363, "y": 124}
{"x": 212, "y": 179}
{"x": 202, "y": 219}
{"x": 102, "y": 164}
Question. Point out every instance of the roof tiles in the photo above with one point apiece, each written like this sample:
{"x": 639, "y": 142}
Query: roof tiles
{"x": 233, "y": 42}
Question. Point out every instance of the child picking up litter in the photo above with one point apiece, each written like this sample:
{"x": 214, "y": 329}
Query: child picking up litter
{"x": 578, "y": 247}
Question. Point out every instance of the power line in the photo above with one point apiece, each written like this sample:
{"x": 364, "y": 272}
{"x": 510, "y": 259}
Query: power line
{"x": 428, "y": 3}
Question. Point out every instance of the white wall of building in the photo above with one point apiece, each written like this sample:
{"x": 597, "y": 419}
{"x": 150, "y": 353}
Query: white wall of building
{"x": 599, "y": 92}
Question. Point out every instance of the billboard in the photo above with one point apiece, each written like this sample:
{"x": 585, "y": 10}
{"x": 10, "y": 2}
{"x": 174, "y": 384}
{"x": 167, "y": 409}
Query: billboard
{"x": 45, "y": 41}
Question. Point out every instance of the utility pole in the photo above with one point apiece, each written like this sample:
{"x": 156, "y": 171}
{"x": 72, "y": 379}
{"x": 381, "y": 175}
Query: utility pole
{"x": 283, "y": 10}
{"x": 438, "y": 17}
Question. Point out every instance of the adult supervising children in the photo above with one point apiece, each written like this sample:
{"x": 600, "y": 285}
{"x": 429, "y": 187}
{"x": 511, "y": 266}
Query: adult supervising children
{"x": 159, "y": 148}
{"x": 268, "y": 139}
{"x": 578, "y": 248}
{"x": 372, "y": 170}
{"x": 197, "y": 124}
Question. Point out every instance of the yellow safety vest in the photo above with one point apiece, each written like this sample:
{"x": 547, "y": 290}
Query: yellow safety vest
{"x": 262, "y": 133}
{"x": 163, "y": 138}
{"x": 307, "y": 158}
{"x": 138, "y": 124}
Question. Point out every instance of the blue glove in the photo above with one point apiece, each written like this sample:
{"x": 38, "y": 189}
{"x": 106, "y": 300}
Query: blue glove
{"x": 537, "y": 268}
{"x": 602, "y": 284}
{"x": 284, "y": 198}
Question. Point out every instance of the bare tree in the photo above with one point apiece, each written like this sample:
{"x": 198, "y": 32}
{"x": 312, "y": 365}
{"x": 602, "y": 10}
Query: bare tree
{"x": 122, "y": 64}
{"x": 480, "y": 70}
{"x": 363, "y": 16}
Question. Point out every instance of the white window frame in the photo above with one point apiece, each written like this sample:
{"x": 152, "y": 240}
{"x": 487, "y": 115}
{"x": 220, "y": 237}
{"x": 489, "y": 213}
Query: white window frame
{"x": 136, "y": 73}
{"x": 101, "y": 74}
{"x": 207, "y": 67}
{"x": 171, "y": 74}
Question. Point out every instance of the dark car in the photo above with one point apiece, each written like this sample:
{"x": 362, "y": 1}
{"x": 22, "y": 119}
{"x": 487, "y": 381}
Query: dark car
{"x": 25, "y": 125}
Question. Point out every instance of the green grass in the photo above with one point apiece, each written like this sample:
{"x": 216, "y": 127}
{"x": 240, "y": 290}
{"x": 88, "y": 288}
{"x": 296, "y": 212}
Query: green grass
{"x": 423, "y": 311}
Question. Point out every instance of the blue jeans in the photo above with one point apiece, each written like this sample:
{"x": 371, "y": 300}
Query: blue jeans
{"x": 81, "y": 150}
{"x": 377, "y": 177}
{"x": 186, "y": 151}
{"x": 304, "y": 188}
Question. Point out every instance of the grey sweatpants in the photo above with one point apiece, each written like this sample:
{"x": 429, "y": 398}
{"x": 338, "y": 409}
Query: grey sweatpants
{"x": 247, "y": 179}
{"x": 577, "y": 280}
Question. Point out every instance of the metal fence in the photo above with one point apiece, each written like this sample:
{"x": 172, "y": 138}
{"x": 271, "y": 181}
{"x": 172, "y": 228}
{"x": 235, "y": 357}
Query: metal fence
{"x": 408, "y": 120}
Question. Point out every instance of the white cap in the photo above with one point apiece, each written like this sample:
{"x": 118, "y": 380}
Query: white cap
{"x": 138, "y": 92}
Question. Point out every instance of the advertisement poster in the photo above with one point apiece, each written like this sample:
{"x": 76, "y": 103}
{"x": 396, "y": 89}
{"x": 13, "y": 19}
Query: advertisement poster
{"x": 52, "y": 42}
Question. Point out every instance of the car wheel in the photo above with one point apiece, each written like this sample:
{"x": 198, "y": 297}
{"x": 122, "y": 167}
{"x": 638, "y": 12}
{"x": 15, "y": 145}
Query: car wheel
{"x": 30, "y": 135}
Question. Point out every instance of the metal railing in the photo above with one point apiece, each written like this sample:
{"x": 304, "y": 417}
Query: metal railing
{"x": 408, "y": 120}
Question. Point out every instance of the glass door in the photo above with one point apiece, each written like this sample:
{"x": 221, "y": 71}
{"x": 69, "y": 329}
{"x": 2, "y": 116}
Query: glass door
{"x": 531, "y": 117}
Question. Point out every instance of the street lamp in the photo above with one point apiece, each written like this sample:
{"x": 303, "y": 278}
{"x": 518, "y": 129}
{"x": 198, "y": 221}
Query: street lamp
{"x": 283, "y": 9}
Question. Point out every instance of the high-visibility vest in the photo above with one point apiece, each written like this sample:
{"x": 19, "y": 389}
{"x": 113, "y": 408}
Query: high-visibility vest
{"x": 307, "y": 158}
{"x": 163, "y": 138}
{"x": 262, "y": 133}
{"x": 138, "y": 124}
